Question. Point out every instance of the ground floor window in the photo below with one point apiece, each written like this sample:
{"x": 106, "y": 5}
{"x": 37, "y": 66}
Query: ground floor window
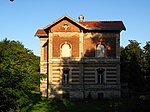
{"x": 65, "y": 76}
{"x": 100, "y": 75}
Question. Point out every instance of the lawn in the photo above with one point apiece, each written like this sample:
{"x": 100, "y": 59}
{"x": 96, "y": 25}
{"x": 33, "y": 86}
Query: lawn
{"x": 133, "y": 104}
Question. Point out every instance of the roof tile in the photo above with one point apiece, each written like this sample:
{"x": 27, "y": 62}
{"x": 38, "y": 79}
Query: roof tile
{"x": 40, "y": 32}
{"x": 103, "y": 24}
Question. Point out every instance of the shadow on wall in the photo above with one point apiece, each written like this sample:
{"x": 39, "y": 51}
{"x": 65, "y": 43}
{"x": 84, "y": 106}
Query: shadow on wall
{"x": 69, "y": 63}
{"x": 100, "y": 39}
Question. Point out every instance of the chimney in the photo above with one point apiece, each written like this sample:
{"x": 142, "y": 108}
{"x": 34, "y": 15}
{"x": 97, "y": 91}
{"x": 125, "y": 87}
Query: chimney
{"x": 81, "y": 18}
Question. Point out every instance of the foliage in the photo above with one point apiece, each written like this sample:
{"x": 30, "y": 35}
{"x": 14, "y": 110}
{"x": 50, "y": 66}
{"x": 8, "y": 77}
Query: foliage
{"x": 146, "y": 53}
{"x": 19, "y": 76}
{"x": 135, "y": 65}
{"x": 18, "y": 72}
{"x": 132, "y": 104}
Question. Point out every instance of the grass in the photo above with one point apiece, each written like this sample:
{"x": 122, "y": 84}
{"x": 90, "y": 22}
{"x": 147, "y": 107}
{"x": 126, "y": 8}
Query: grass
{"x": 133, "y": 104}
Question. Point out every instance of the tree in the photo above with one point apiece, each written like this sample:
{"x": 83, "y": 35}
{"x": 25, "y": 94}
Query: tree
{"x": 131, "y": 65}
{"x": 18, "y": 66}
{"x": 146, "y": 67}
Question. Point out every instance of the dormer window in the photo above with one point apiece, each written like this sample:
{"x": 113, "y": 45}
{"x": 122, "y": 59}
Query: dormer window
{"x": 100, "y": 51}
{"x": 66, "y": 50}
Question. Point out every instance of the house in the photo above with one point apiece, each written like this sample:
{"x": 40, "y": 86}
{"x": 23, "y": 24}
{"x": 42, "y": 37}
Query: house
{"x": 81, "y": 58}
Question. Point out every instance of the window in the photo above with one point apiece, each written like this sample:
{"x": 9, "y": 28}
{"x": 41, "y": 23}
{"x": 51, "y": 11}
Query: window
{"x": 100, "y": 76}
{"x": 65, "y": 50}
{"x": 100, "y": 50}
{"x": 66, "y": 76}
{"x": 100, "y": 95}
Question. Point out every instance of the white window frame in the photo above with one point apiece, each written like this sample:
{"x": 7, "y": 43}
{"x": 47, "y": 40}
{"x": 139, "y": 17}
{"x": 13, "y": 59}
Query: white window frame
{"x": 67, "y": 53}
{"x": 100, "y": 51}
{"x": 97, "y": 76}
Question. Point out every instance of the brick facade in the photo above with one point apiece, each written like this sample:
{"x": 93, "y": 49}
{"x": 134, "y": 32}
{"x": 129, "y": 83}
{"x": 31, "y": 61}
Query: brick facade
{"x": 59, "y": 39}
{"x": 80, "y": 72}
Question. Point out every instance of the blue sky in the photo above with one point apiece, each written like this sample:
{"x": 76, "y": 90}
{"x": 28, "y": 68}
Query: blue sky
{"x": 20, "y": 19}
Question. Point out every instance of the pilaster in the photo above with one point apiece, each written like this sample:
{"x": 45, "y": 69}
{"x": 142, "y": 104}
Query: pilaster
{"x": 118, "y": 73}
{"x": 118, "y": 45}
{"x": 49, "y": 63}
{"x": 118, "y": 56}
{"x": 50, "y": 56}
{"x": 42, "y": 42}
{"x": 81, "y": 44}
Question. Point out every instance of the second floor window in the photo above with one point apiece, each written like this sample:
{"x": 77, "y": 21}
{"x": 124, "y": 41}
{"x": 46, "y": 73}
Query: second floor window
{"x": 100, "y": 51}
{"x": 65, "y": 50}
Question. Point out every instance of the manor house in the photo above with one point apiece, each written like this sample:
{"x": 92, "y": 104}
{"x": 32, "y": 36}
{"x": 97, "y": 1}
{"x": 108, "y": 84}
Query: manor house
{"x": 81, "y": 59}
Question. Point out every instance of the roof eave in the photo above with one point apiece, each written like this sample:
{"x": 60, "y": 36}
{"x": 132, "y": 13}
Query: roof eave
{"x": 40, "y": 35}
{"x": 109, "y": 29}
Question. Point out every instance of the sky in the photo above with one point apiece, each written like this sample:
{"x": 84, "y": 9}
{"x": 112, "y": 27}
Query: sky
{"x": 19, "y": 20}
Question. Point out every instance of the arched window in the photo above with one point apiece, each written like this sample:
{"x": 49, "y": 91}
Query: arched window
{"x": 100, "y": 50}
{"x": 65, "y": 50}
